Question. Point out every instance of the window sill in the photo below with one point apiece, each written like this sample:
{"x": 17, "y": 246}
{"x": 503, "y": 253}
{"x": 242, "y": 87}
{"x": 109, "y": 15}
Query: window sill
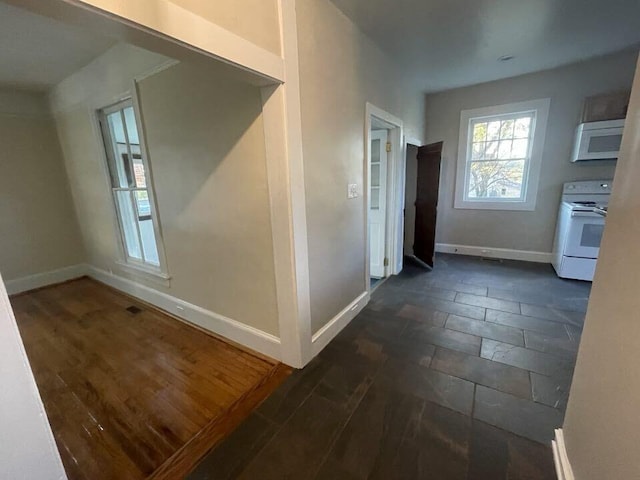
{"x": 146, "y": 273}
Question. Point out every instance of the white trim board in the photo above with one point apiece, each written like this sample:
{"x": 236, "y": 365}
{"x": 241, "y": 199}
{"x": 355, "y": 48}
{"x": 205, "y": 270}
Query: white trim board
{"x": 285, "y": 177}
{"x": 334, "y": 326}
{"x": 560, "y": 458}
{"x": 235, "y": 331}
{"x": 490, "y": 252}
{"x": 38, "y": 280}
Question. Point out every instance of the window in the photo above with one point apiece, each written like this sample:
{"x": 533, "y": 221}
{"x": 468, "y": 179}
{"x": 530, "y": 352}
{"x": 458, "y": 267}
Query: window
{"x": 500, "y": 155}
{"x": 130, "y": 187}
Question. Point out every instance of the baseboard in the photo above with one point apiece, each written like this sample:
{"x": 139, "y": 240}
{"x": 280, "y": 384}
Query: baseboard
{"x": 560, "y": 458}
{"x": 490, "y": 252}
{"x": 235, "y": 331}
{"x": 40, "y": 280}
{"x": 327, "y": 333}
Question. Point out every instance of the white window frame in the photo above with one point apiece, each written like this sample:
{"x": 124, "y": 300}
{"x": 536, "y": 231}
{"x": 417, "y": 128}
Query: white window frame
{"x": 161, "y": 271}
{"x": 533, "y": 165}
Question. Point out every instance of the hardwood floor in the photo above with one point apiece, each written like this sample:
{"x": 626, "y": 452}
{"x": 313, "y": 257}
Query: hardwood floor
{"x": 131, "y": 392}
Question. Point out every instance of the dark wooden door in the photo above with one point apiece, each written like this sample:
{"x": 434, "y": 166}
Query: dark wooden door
{"x": 424, "y": 244}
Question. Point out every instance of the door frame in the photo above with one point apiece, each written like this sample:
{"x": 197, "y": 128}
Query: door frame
{"x": 396, "y": 165}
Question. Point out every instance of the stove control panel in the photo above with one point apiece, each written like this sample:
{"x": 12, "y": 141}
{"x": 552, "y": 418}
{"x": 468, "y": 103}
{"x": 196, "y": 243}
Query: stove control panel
{"x": 588, "y": 187}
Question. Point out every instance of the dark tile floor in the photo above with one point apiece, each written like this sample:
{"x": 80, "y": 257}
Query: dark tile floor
{"x": 458, "y": 373}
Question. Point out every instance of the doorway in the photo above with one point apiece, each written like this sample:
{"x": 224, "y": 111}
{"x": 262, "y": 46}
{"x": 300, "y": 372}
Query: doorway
{"x": 421, "y": 203}
{"x": 384, "y": 192}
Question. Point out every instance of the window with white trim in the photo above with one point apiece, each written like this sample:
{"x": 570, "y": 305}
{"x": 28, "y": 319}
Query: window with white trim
{"x": 130, "y": 187}
{"x": 500, "y": 156}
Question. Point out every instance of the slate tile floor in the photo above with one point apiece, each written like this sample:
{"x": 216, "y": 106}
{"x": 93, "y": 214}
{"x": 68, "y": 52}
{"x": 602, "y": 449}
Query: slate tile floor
{"x": 458, "y": 373}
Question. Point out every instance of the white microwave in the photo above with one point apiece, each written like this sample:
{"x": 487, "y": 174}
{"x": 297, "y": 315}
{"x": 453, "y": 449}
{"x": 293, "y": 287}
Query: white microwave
{"x": 598, "y": 140}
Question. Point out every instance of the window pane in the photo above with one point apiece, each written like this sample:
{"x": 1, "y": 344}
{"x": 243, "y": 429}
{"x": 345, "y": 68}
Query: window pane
{"x": 498, "y": 179}
{"x": 147, "y": 235}
{"x": 492, "y": 150}
{"x": 375, "y": 198}
{"x": 520, "y": 149}
{"x": 120, "y": 172}
{"x": 522, "y": 127}
{"x": 477, "y": 152}
{"x": 375, "y": 175}
{"x": 128, "y": 221}
{"x": 504, "y": 150}
{"x": 506, "y": 129}
{"x": 479, "y": 132}
{"x": 138, "y": 172}
{"x": 375, "y": 151}
{"x": 132, "y": 129}
{"x": 493, "y": 130}
{"x": 142, "y": 203}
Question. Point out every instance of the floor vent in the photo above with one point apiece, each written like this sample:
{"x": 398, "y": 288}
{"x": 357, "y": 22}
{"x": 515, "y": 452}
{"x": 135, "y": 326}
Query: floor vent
{"x": 133, "y": 309}
{"x": 491, "y": 259}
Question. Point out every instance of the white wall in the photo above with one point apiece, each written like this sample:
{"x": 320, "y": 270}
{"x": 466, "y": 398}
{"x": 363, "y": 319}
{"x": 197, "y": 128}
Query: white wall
{"x": 38, "y": 228}
{"x": 206, "y": 149}
{"x": 602, "y": 424}
{"x": 28, "y": 448}
{"x": 567, "y": 87}
{"x": 254, "y": 20}
{"x": 209, "y": 169}
{"x": 340, "y": 70}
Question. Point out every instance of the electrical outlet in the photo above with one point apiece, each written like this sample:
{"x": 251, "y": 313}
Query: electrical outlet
{"x": 352, "y": 190}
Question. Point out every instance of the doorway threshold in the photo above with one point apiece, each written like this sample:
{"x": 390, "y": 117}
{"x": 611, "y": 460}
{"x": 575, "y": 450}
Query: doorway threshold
{"x": 412, "y": 259}
{"x": 374, "y": 283}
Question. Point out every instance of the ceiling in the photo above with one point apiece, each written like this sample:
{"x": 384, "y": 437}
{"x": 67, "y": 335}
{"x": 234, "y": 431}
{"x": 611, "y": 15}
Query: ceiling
{"x": 445, "y": 44}
{"x": 38, "y": 52}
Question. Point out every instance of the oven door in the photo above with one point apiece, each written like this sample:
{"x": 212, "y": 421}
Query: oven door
{"x": 585, "y": 234}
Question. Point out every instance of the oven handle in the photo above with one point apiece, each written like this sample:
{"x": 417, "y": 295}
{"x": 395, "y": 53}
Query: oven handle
{"x": 586, "y": 214}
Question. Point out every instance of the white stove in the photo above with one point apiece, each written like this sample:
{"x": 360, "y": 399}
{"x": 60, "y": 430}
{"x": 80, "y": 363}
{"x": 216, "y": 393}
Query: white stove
{"x": 580, "y": 226}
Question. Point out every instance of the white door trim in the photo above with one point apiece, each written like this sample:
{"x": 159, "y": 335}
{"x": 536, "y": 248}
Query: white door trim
{"x": 560, "y": 458}
{"x": 285, "y": 175}
{"x": 395, "y": 193}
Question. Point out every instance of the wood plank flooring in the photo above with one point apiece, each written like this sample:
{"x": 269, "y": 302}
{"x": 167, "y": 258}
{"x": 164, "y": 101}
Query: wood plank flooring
{"x": 132, "y": 394}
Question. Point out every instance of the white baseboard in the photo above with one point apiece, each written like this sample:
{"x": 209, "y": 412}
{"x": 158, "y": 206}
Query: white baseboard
{"x": 323, "y": 336}
{"x": 39, "y": 280}
{"x": 246, "y": 335}
{"x": 490, "y": 252}
{"x": 560, "y": 458}
{"x": 235, "y": 331}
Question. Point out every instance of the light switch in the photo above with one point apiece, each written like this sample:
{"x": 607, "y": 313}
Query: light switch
{"x": 352, "y": 190}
